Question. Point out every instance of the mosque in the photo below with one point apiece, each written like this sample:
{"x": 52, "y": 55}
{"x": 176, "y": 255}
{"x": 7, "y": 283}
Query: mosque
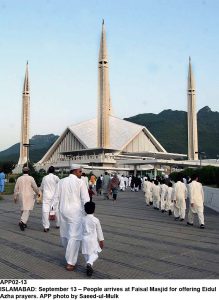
{"x": 108, "y": 142}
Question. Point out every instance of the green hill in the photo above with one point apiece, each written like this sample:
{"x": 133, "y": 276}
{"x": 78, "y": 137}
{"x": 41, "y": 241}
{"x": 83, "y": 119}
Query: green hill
{"x": 170, "y": 129}
{"x": 39, "y": 145}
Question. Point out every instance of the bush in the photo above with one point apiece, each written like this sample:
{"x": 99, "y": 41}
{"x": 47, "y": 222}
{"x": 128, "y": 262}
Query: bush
{"x": 11, "y": 180}
{"x": 208, "y": 175}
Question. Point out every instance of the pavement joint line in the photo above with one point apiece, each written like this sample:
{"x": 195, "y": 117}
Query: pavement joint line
{"x": 42, "y": 256}
{"x": 165, "y": 242}
{"x": 37, "y": 239}
{"x": 166, "y": 235}
{"x": 20, "y": 269}
{"x": 170, "y": 263}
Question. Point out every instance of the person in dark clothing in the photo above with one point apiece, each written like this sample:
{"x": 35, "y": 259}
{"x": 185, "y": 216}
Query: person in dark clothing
{"x": 91, "y": 192}
{"x": 98, "y": 186}
{"x": 133, "y": 183}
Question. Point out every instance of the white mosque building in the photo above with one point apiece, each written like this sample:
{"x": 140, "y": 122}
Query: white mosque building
{"x": 103, "y": 142}
{"x": 110, "y": 143}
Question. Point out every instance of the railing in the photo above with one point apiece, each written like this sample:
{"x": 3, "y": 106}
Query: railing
{"x": 212, "y": 198}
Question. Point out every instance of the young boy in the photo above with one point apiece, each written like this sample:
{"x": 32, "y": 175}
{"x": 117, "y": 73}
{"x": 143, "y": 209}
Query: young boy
{"x": 92, "y": 240}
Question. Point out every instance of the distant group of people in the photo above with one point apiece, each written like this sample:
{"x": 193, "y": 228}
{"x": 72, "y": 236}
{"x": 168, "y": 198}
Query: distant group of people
{"x": 171, "y": 197}
{"x": 105, "y": 185}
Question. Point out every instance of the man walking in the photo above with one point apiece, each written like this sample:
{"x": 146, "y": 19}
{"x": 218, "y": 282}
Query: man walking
{"x": 24, "y": 193}
{"x": 71, "y": 195}
{"x": 105, "y": 185}
{"x": 2, "y": 181}
{"x": 48, "y": 187}
{"x": 196, "y": 199}
{"x": 180, "y": 195}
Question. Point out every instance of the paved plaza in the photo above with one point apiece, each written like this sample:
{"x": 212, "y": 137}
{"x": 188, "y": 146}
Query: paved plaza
{"x": 140, "y": 243}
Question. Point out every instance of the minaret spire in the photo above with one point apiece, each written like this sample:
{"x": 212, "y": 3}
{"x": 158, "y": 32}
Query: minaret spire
{"x": 104, "y": 106}
{"x": 24, "y": 142}
{"x": 26, "y": 81}
{"x": 192, "y": 116}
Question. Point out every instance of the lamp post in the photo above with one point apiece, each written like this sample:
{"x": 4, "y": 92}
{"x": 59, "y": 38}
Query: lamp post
{"x": 201, "y": 155}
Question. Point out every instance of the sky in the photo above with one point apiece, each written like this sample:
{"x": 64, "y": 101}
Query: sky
{"x": 149, "y": 43}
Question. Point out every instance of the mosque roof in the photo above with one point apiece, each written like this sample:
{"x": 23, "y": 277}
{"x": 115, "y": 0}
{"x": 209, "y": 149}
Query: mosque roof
{"x": 121, "y": 133}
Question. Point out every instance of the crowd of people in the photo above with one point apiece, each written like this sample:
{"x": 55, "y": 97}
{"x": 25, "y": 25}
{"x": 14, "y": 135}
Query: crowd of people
{"x": 71, "y": 200}
{"x": 172, "y": 197}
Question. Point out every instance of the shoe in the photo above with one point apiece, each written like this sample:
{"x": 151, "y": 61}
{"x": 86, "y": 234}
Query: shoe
{"x": 190, "y": 224}
{"x": 202, "y": 226}
{"x": 57, "y": 227}
{"x": 176, "y": 219}
{"x": 22, "y": 227}
{"x": 89, "y": 270}
{"x": 46, "y": 229}
{"x": 70, "y": 267}
{"x": 181, "y": 219}
{"x": 162, "y": 210}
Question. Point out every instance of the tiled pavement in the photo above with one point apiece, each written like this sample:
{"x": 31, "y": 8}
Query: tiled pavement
{"x": 140, "y": 243}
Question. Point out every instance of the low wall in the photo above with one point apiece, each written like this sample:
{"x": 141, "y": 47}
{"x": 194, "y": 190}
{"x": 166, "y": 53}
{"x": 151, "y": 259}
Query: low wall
{"x": 212, "y": 198}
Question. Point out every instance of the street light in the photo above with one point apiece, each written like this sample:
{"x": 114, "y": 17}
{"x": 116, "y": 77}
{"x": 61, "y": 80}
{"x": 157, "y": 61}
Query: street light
{"x": 201, "y": 155}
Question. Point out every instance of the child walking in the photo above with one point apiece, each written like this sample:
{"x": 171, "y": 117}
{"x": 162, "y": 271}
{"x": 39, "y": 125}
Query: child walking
{"x": 92, "y": 240}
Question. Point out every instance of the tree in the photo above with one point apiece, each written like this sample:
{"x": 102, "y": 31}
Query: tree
{"x": 7, "y": 167}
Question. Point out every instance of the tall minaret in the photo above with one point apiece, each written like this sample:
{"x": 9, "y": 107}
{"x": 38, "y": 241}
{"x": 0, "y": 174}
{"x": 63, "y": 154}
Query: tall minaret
{"x": 192, "y": 117}
{"x": 104, "y": 106}
{"x": 25, "y": 121}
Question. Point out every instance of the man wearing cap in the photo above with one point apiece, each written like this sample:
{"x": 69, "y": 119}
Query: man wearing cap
{"x": 71, "y": 195}
{"x": 48, "y": 187}
{"x": 24, "y": 190}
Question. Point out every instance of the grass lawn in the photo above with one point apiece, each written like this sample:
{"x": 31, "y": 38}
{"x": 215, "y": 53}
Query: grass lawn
{"x": 9, "y": 189}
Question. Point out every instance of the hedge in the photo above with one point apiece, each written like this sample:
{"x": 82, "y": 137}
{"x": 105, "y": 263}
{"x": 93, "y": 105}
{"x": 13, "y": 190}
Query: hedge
{"x": 208, "y": 175}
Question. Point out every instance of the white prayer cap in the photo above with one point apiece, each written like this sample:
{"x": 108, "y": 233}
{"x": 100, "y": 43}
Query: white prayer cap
{"x": 25, "y": 169}
{"x": 75, "y": 167}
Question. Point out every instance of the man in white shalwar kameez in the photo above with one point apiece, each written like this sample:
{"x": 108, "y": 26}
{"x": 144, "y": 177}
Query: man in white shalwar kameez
{"x": 48, "y": 188}
{"x": 85, "y": 178}
{"x": 156, "y": 195}
{"x": 92, "y": 241}
{"x": 122, "y": 183}
{"x": 147, "y": 188}
{"x": 169, "y": 201}
{"x": 24, "y": 191}
{"x": 71, "y": 195}
{"x": 179, "y": 197}
{"x": 196, "y": 199}
{"x": 163, "y": 195}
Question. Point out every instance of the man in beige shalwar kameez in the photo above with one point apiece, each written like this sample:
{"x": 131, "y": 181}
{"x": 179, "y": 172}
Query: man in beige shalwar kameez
{"x": 24, "y": 190}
